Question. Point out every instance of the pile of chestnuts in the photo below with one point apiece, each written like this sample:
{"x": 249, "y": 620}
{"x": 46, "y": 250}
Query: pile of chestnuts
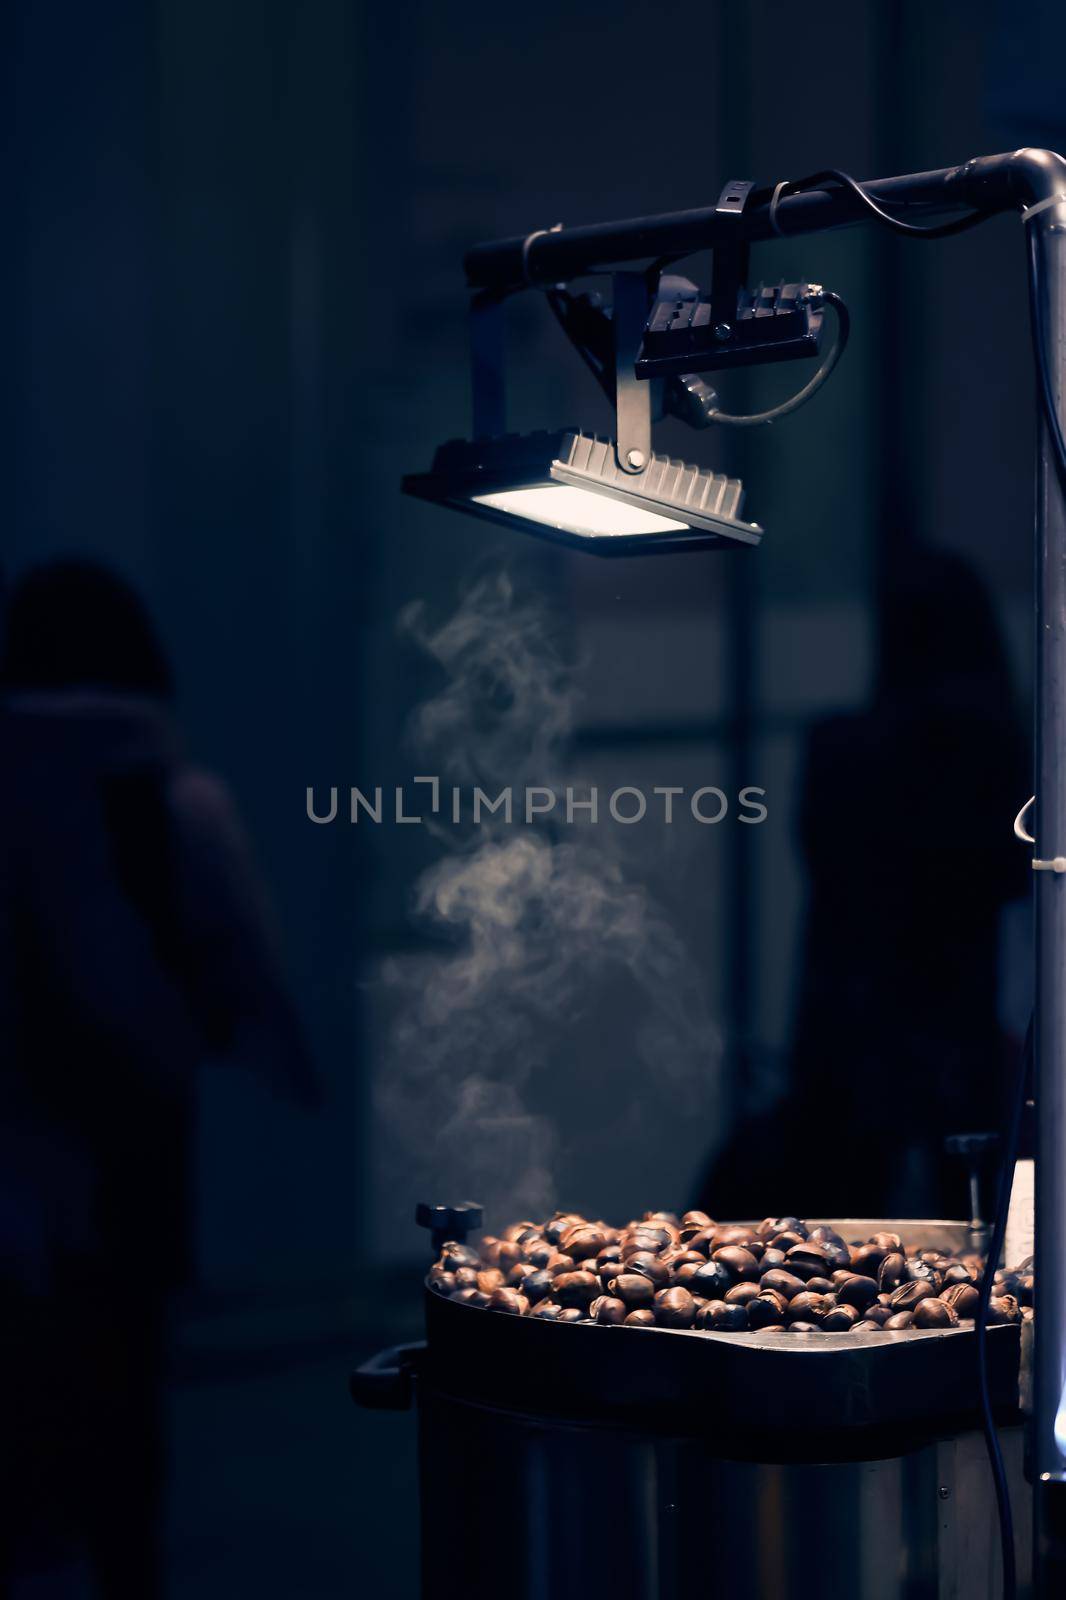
{"x": 775, "y": 1276}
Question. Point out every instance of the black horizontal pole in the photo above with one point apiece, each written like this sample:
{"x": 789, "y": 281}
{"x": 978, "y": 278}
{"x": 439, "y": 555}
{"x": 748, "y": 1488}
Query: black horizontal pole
{"x": 988, "y": 184}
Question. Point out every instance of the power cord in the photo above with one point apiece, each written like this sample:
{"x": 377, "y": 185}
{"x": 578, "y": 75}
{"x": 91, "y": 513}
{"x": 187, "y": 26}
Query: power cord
{"x": 938, "y": 230}
{"x": 760, "y": 418}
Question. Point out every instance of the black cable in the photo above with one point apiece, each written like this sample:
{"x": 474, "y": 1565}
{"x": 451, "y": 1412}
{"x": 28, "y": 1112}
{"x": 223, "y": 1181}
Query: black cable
{"x": 995, "y": 1251}
{"x": 793, "y": 403}
{"x": 938, "y": 230}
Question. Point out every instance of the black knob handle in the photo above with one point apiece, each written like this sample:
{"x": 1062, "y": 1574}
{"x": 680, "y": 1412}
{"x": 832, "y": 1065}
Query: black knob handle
{"x": 448, "y": 1222}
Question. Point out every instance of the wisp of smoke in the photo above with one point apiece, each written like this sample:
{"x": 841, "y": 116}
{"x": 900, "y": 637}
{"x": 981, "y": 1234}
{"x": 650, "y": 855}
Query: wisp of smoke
{"x": 487, "y": 1072}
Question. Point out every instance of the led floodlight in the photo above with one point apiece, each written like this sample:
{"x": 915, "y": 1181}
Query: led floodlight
{"x": 568, "y": 487}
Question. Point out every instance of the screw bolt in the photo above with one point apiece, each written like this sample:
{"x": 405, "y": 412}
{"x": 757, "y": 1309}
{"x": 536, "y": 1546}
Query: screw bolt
{"x": 723, "y": 331}
{"x": 635, "y": 459}
{"x": 944, "y": 1492}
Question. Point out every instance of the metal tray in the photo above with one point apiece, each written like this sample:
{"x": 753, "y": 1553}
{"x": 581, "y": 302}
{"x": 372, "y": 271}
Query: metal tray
{"x": 825, "y": 1387}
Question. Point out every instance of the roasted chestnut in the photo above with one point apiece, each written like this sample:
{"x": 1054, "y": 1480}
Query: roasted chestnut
{"x": 907, "y": 1296}
{"x": 1003, "y": 1308}
{"x": 741, "y": 1294}
{"x": 606, "y": 1309}
{"x": 808, "y": 1260}
{"x": 935, "y": 1313}
{"x": 674, "y": 1308}
{"x": 575, "y": 1289}
{"x": 785, "y": 1283}
{"x": 633, "y": 1289}
{"x": 713, "y": 1279}
{"x": 641, "y": 1318}
{"x": 583, "y": 1241}
{"x": 453, "y": 1256}
{"x": 892, "y": 1271}
{"x": 807, "y": 1307}
{"x": 962, "y": 1297}
{"x": 766, "y": 1309}
{"x": 649, "y": 1266}
{"x": 509, "y": 1300}
{"x": 858, "y": 1291}
{"x": 722, "y": 1317}
{"x": 840, "y": 1319}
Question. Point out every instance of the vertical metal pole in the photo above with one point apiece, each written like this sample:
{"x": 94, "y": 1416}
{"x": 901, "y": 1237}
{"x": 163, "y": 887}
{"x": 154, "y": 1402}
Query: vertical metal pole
{"x": 1049, "y": 1442}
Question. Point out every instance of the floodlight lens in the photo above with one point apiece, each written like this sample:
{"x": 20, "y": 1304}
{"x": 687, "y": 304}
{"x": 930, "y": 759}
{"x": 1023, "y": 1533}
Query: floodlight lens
{"x": 579, "y": 511}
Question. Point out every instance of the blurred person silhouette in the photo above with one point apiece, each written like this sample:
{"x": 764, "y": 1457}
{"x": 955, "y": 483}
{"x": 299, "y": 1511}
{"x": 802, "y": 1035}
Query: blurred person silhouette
{"x": 905, "y": 816}
{"x": 135, "y": 940}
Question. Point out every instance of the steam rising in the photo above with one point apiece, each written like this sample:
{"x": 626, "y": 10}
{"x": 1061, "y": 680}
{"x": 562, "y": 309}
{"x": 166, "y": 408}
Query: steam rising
{"x": 562, "y": 1024}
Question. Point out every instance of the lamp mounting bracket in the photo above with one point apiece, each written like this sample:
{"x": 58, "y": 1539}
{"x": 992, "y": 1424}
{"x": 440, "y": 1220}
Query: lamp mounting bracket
{"x": 729, "y": 259}
{"x": 632, "y": 398}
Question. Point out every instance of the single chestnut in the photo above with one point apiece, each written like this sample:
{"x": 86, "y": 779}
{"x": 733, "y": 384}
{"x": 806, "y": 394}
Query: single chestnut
{"x": 858, "y": 1291}
{"x": 559, "y": 1224}
{"x": 519, "y": 1232}
{"x": 892, "y": 1271}
{"x": 674, "y": 1308}
{"x": 582, "y": 1242}
{"x": 547, "y": 1311}
{"x": 785, "y": 1283}
{"x": 898, "y": 1320}
{"x": 808, "y": 1260}
{"x": 741, "y": 1294}
{"x": 739, "y": 1261}
{"x": 807, "y": 1307}
{"x": 836, "y": 1248}
{"x": 712, "y": 1279}
{"x": 840, "y": 1319}
{"x": 570, "y": 1314}
{"x": 1003, "y": 1308}
{"x": 519, "y": 1272}
{"x": 576, "y": 1289}
{"x": 721, "y": 1317}
{"x": 453, "y": 1256}
{"x": 962, "y": 1297}
{"x": 907, "y": 1296}
{"x": 866, "y": 1259}
{"x": 767, "y": 1309}
{"x": 934, "y": 1313}
{"x": 509, "y": 1300}
{"x": 640, "y": 1318}
{"x": 442, "y": 1282}
{"x": 633, "y": 1289}
{"x": 606, "y": 1309}
{"x": 804, "y": 1327}
{"x": 649, "y": 1266}
{"x": 774, "y": 1226}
